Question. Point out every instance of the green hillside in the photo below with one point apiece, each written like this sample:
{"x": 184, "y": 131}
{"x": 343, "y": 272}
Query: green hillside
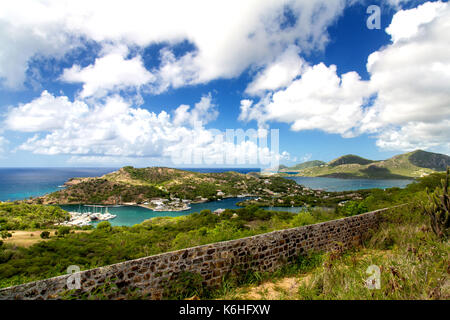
{"x": 304, "y": 165}
{"x": 409, "y": 165}
{"x": 349, "y": 159}
{"x": 140, "y": 185}
{"x": 434, "y": 161}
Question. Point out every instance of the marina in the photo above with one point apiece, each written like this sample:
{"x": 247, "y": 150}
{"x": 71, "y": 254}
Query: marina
{"x": 129, "y": 215}
{"x": 82, "y": 218}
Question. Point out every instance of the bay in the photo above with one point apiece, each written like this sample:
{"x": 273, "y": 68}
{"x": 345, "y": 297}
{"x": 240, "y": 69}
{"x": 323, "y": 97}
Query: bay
{"x": 22, "y": 183}
{"x": 131, "y": 215}
{"x": 336, "y": 184}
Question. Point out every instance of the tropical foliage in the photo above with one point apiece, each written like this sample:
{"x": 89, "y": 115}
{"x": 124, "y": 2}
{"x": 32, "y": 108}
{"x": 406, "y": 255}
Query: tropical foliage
{"x": 438, "y": 209}
{"x": 107, "y": 245}
{"x": 22, "y": 216}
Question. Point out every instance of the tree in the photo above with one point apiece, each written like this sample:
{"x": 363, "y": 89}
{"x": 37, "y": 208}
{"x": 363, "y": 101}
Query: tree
{"x": 5, "y": 234}
{"x": 353, "y": 208}
{"x": 45, "y": 235}
{"x": 104, "y": 225}
{"x": 62, "y": 231}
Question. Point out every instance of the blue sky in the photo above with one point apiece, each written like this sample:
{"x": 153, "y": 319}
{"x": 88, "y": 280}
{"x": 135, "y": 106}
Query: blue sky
{"x": 80, "y": 86}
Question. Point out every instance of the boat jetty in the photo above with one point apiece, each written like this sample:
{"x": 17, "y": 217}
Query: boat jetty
{"x": 80, "y": 219}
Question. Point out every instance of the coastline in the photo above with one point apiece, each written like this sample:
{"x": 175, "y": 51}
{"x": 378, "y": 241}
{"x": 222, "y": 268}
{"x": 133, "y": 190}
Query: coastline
{"x": 347, "y": 176}
{"x": 152, "y": 209}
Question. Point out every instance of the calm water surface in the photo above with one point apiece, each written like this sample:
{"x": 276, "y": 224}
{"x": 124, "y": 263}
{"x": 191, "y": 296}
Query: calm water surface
{"x": 22, "y": 183}
{"x": 335, "y": 184}
{"x": 131, "y": 215}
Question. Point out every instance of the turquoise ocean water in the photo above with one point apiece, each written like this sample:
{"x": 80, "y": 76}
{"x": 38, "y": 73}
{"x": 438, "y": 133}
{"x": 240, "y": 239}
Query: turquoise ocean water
{"x": 22, "y": 183}
{"x": 130, "y": 215}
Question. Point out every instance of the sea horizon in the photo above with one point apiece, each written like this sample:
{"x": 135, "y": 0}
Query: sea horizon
{"x": 19, "y": 183}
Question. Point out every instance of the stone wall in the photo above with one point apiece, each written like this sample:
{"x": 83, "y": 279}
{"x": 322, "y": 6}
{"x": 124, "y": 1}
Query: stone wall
{"x": 265, "y": 252}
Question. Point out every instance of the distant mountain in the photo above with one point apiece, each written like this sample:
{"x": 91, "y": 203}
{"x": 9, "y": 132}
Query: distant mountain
{"x": 408, "y": 165}
{"x": 349, "y": 159}
{"x": 304, "y": 165}
{"x": 434, "y": 161}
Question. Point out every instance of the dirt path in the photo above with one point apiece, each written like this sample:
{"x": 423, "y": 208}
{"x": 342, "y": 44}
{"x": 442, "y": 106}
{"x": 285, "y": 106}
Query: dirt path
{"x": 281, "y": 289}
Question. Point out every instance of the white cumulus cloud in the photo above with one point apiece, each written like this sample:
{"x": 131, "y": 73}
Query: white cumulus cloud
{"x": 320, "y": 99}
{"x": 44, "y": 113}
{"x": 278, "y": 74}
{"x": 111, "y": 72}
{"x": 411, "y": 77}
{"x": 405, "y": 104}
{"x": 227, "y": 36}
{"x": 115, "y": 128}
{"x": 203, "y": 112}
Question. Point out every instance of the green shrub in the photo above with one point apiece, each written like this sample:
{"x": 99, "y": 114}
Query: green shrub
{"x": 353, "y": 208}
{"x": 22, "y": 216}
{"x": 45, "y": 235}
{"x": 64, "y": 230}
{"x": 303, "y": 219}
{"x": 5, "y": 234}
{"x": 104, "y": 225}
{"x": 438, "y": 208}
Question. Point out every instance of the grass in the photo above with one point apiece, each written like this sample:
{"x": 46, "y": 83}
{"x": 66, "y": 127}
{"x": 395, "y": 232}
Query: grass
{"x": 28, "y": 238}
{"x": 25, "y": 258}
{"x": 413, "y": 262}
{"x": 260, "y": 285}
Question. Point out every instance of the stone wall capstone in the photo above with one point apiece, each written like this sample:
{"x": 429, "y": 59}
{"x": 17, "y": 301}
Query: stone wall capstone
{"x": 264, "y": 252}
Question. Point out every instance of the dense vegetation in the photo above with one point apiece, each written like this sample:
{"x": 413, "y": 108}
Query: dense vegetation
{"x": 22, "y": 216}
{"x": 103, "y": 191}
{"x": 139, "y": 185}
{"x": 377, "y": 198}
{"x": 311, "y": 199}
{"x": 412, "y": 258}
{"x": 147, "y": 175}
{"x": 438, "y": 208}
{"x": 349, "y": 159}
{"x": 413, "y": 263}
{"x": 106, "y": 245}
{"x": 347, "y": 201}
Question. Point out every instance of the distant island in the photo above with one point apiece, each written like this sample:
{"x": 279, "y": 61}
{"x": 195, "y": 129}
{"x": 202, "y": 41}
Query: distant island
{"x": 410, "y": 165}
{"x": 168, "y": 189}
{"x": 165, "y": 189}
